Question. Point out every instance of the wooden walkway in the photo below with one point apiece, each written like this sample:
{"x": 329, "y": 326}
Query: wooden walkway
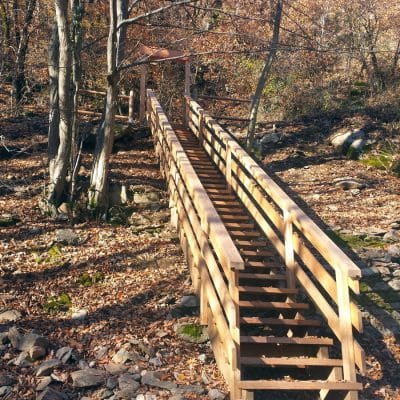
{"x": 274, "y": 289}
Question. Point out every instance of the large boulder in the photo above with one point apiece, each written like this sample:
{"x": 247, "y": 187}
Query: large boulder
{"x": 350, "y": 142}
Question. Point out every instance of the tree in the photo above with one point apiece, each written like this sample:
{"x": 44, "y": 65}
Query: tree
{"x": 255, "y": 103}
{"x": 59, "y": 164}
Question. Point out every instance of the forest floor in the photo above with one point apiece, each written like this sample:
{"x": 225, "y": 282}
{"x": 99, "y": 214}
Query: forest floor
{"x": 123, "y": 286}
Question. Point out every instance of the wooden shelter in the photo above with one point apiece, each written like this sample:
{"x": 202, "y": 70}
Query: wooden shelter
{"x": 159, "y": 54}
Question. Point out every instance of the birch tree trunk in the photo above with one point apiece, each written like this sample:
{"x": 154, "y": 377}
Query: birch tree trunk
{"x": 255, "y": 104}
{"x": 61, "y": 161}
{"x": 98, "y": 191}
{"x": 54, "y": 112}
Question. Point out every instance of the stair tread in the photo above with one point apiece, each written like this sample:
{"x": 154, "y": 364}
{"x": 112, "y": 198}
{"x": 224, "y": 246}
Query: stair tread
{"x": 251, "y": 243}
{"x": 256, "y": 276}
{"x": 295, "y": 361}
{"x": 279, "y": 321}
{"x": 244, "y": 234}
{"x": 299, "y": 385}
{"x": 272, "y": 305}
{"x": 237, "y": 225}
{"x": 308, "y": 340}
{"x": 261, "y": 253}
{"x": 262, "y": 264}
{"x": 267, "y": 290}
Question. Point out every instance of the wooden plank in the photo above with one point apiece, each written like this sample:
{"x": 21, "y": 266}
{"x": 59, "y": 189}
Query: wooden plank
{"x": 299, "y": 385}
{"x": 287, "y": 340}
{"x": 291, "y": 361}
{"x": 101, "y": 93}
{"x": 99, "y": 115}
{"x": 268, "y": 305}
{"x": 223, "y": 98}
{"x": 272, "y": 277}
{"x": 267, "y": 290}
{"x": 280, "y": 321}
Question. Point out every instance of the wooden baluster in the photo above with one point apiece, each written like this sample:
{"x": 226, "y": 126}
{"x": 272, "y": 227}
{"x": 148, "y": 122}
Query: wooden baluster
{"x": 289, "y": 251}
{"x": 130, "y": 114}
{"x": 201, "y": 127}
{"x": 143, "y": 79}
{"x": 228, "y": 165}
{"x": 346, "y": 332}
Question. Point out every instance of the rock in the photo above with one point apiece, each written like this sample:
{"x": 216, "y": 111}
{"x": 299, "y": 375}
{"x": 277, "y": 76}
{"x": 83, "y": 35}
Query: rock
{"x": 175, "y": 397}
{"x": 22, "y": 360}
{"x": 347, "y": 184}
{"x": 123, "y": 355}
{"x": 155, "y": 361}
{"x": 101, "y": 352}
{"x": 128, "y": 384}
{"x": 395, "y": 284}
{"x": 270, "y": 138}
{"x": 189, "y": 301}
{"x": 392, "y": 236}
{"x": 115, "y": 368}
{"x": 27, "y": 342}
{"x": 139, "y": 220}
{"x": 10, "y": 316}
{"x": 7, "y": 379}
{"x": 64, "y": 354}
{"x": 46, "y": 368}
{"x": 104, "y": 394}
{"x": 79, "y": 315}
{"x": 43, "y": 383}
{"x": 5, "y": 391}
{"x": 37, "y": 352}
{"x": 151, "y": 378}
{"x": 145, "y": 196}
{"x": 112, "y": 382}
{"x": 342, "y": 140}
{"x": 67, "y": 237}
{"x": 215, "y": 394}
{"x": 394, "y": 251}
{"x": 51, "y": 394}
{"x": 117, "y": 195}
{"x": 8, "y": 220}
{"x": 4, "y": 338}
{"x": 182, "y": 389}
{"x": 202, "y": 358}
{"x": 87, "y": 378}
{"x": 83, "y": 364}
{"x": 192, "y": 333}
{"x": 14, "y": 336}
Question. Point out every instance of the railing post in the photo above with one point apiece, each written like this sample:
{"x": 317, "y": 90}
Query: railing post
{"x": 289, "y": 251}
{"x": 201, "y": 127}
{"x": 186, "y": 111}
{"x": 130, "y": 115}
{"x": 143, "y": 79}
{"x": 346, "y": 331}
{"x": 228, "y": 165}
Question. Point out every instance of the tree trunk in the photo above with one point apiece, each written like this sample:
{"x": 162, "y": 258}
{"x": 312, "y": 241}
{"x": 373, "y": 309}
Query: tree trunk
{"x": 23, "y": 39}
{"x": 98, "y": 191}
{"x": 61, "y": 162}
{"x": 78, "y": 9}
{"x": 54, "y": 113}
{"x": 264, "y": 75}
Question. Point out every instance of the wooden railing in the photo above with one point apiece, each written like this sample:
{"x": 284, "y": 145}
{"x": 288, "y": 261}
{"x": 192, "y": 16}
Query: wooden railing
{"x": 213, "y": 258}
{"x": 312, "y": 259}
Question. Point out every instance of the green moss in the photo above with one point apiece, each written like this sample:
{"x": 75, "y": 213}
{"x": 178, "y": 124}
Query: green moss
{"x": 192, "y": 330}
{"x": 355, "y": 241}
{"x": 88, "y": 280}
{"x": 53, "y": 256}
{"x": 55, "y": 304}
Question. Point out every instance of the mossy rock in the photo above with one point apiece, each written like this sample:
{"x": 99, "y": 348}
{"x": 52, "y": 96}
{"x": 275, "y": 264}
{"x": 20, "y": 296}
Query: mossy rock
{"x": 193, "y": 333}
{"x": 8, "y": 220}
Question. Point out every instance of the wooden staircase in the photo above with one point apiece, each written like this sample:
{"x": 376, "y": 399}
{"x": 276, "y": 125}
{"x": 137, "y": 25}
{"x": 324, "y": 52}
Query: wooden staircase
{"x": 274, "y": 333}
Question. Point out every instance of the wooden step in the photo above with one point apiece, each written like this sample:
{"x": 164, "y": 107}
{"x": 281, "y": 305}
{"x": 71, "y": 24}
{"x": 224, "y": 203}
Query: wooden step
{"x": 299, "y": 385}
{"x": 236, "y": 225}
{"x": 263, "y": 264}
{"x": 231, "y": 210}
{"x": 291, "y": 361}
{"x": 268, "y": 277}
{"x": 251, "y": 243}
{"x": 279, "y": 321}
{"x": 266, "y": 290}
{"x": 257, "y": 254}
{"x": 308, "y": 340}
{"x": 268, "y": 305}
{"x": 240, "y": 234}
{"x": 227, "y": 217}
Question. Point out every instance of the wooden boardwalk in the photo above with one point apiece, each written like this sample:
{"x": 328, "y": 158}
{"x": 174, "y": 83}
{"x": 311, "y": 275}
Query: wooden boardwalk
{"x": 274, "y": 289}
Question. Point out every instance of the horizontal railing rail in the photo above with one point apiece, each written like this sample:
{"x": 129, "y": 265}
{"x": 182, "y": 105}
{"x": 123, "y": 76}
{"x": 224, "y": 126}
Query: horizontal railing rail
{"x": 310, "y": 256}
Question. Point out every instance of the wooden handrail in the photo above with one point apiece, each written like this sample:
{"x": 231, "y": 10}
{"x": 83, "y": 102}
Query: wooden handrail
{"x": 210, "y": 219}
{"x": 101, "y": 93}
{"x": 254, "y": 187}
